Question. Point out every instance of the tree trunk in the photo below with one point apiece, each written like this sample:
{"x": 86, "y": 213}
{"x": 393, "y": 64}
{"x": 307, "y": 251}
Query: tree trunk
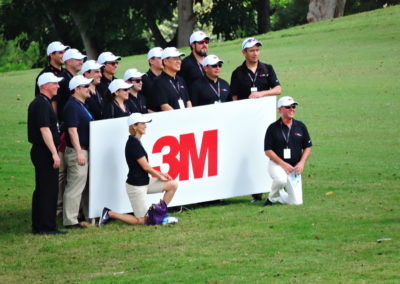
{"x": 186, "y": 21}
{"x": 263, "y": 19}
{"x": 88, "y": 42}
{"x": 320, "y": 10}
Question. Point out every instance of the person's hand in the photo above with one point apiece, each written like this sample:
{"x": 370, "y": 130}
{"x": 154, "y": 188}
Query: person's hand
{"x": 255, "y": 95}
{"x": 166, "y": 176}
{"x": 299, "y": 168}
{"x": 81, "y": 159}
{"x": 56, "y": 160}
{"x": 288, "y": 168}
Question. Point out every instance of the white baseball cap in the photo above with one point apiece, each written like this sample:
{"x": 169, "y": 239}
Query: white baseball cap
{"x": 137, "y": 117}
{"x": 211, "y": 60}
{"x": 154, "y": 52}
{"x": 91, "y": 65}
{"x": 48, "y": 77}
{"x": 79, "y": 80}
{"x": 286, "y": 101}
{"x": 107, "y": 57}
{"x": 132, "y": 73}
{"x": 250, "y": 42}
{"x": 198, "y": 36}
{"x": 117, "y": 84}
{"x": 73, "y": 53}
{"x": 171, "y": 52}
{"x": 56, "y": 46}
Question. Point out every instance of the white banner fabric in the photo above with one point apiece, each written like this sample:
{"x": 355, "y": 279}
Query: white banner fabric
{"x": 215, "y": 152}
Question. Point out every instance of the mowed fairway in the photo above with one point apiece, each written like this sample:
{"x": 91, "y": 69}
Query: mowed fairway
{"x": 345, "y": 74}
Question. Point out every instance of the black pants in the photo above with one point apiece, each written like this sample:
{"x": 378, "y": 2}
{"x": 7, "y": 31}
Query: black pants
{"x": 44, "y": 200}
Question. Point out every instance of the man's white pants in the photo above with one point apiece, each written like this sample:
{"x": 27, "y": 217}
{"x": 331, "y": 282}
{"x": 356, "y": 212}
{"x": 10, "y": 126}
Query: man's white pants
{"x": 282, "y": 180}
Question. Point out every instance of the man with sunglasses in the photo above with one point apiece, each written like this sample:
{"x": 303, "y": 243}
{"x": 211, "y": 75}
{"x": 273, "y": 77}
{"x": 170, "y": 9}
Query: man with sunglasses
{"x": 288, "y": 145}
{"x": 110, "y": 65}
{"x": 77, "y": 119}
{"x": 192, "y": 65}
{"x": 156, "y": 67}
{"x": 95, "y": 104}
{"x": 209, "y": 89}
{"x": 136, "y": 101}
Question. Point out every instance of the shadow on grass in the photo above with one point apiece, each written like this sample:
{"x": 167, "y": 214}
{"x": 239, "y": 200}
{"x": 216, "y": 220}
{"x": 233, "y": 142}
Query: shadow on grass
{"x": 15, "y": 222}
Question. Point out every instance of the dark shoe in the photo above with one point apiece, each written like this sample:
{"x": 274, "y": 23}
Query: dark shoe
{"x": 75, "y": 226}
{"x": 105, "y": 217}
{"x": 268, "y": 203}
{"x": 256, "y": 198}
{"x": 54, "y": 232}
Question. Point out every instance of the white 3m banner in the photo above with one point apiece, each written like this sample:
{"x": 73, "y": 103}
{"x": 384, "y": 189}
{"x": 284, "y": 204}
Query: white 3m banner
{"x": 214, "y": 152}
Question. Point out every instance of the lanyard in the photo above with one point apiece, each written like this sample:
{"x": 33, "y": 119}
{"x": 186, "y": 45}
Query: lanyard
{"x": 176, "y": 89}
{"x": 251, "y": 78}
{"x": 82, "y": 106}
{"x": 218, "y": 93}
{"x": 200, "y": 67}
{"x": 288, "y": 135}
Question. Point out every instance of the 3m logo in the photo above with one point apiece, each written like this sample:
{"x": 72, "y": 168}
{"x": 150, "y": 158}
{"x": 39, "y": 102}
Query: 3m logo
{"x": 187, "y": 150}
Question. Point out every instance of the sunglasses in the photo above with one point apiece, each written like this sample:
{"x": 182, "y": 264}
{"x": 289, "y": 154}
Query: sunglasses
{"x": 135, "y": 80}
{"x": 85, "y": 86}
{"x": 216, "y": 65}
{"x": 126, "y": 90}
{"x": 112, "y": 63}
{"x": 289, "y": 107}
{"x": 203, "y": 41}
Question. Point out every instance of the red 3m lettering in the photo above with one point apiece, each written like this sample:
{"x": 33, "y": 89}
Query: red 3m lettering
{"x": 187, "y": 149}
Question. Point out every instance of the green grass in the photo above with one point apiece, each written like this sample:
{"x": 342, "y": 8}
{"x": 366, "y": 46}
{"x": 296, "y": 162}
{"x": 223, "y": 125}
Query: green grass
{"x": 345, "y": 74}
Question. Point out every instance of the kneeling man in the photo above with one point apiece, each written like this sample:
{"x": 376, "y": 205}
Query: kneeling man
{"x": 288, "y": 146}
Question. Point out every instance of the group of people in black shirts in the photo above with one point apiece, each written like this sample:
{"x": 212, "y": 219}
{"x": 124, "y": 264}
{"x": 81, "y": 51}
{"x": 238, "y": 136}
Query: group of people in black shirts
{"x": 170, "y": 83}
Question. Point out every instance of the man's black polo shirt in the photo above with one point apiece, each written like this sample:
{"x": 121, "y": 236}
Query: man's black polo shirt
{"x": 95, "y": 104}
{"x": 204, "y": 91}
{"x": 191, "y": 70}
{"x": 134, "y": 151}
{"x": 137, "y": 104}
{"x": 148, "y": 80}
{"x": 243, "y": 79}
{"x": 167, "y": 90}
{"x": 104, "y": 83}
{"x": 76, "y": 115}
{"x": 48, "y": 68}
{"x": 41, "y": 114}
{"x": 276, "y": 137}
{"x": 63, "y": 93}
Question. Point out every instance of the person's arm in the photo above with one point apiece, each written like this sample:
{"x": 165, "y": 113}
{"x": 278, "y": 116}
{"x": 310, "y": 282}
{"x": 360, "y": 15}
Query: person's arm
{"x": 275, "y": 91}
{"x": 300, "y": 165}
{"x": 165, "y": 107}
{"x": 146, "y": 167}
{"x": 288, "y": 168}
{"x": 188, "y": 104}
{"x": 48, "y": 140}
{"x": 74, "y": 137}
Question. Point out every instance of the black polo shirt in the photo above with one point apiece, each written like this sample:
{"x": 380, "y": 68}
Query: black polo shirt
{"x": 104, "y": 83}
{"x": 148, "y": 80}
{"x": 112, "y": 110}
{"x": 48, "y": 68}
{"x": 137, "y": 104}
{"x": 76, "y": 115}
{"x": 191, "y": 70}
{"x": 133, "y": 151}
{"x": 277, "y": 135}
{"x": 243, "y": 79}
{"x": 204, "y": 91}
{"x": 95, "y": 104}
{"x": 63, "y": 94}
{"x": 41, "y": 114}
{"x": 167, "y": 90}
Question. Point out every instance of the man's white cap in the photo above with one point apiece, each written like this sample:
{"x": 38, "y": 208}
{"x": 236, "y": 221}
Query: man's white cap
{"x": 250, "y": 42}
{"x": 171, "y": 52}
{"x": 211, "y": 60}
{"x": 107, "y": 57}
{"x": 132, "y": 73}
{"x": 73, "y": 53}
{"x": 198, "y": 36}
{"x": 286, "y": 101}
{"x": 56, "y": 46}
{"x": 91, "y": 65}
{"x": 48, "y": 77}
{"x": 154, "y": 52}
{"x": 79, "y": 80}
{"x": 117, "y": 84}
{"x": 137, "y": 117}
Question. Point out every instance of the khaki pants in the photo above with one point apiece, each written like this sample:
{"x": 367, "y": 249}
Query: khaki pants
{"x": 62, "y": 176}
{"x": 77, "y": 180}
{"x": 138, "y": 195}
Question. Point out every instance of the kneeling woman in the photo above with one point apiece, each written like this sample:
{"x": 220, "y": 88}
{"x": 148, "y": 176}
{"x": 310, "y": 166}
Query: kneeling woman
{"x": 138, "y": 184}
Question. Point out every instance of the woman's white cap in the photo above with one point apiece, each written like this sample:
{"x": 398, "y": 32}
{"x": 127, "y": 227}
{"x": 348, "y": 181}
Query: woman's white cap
{"x": 117, "y": 84}
{"x": 136, "y": 118}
